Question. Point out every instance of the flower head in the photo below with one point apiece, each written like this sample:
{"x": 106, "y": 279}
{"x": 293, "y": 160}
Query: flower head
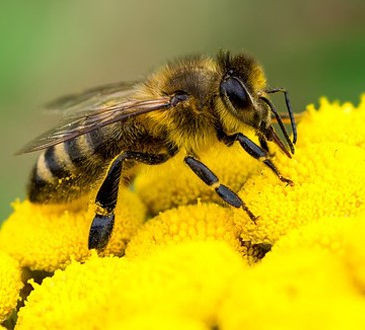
{"x": 341, "y": 236}
{"x": 333, "y": 122}
{"x": 301, "y": 289}
{"x": 43, "y": 237}
{"x": 186, "y": 223}
{"x": 10, "y": 285}
{"x": 328, "y": 182}
{"x": 148, "y": 321}
{"x": 189, "y": 279}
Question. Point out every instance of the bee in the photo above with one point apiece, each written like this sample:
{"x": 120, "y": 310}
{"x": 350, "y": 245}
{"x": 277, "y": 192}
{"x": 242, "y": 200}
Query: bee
{"x": 186, "y": 105}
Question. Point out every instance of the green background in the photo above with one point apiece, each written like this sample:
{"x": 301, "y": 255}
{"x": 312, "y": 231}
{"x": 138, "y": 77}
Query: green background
{"x": 49, "y": 48}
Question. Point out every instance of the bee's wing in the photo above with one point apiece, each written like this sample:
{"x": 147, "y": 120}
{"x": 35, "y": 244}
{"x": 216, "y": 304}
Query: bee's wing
{"x": 97, "y": 117}
{"x": 91, "y": 99}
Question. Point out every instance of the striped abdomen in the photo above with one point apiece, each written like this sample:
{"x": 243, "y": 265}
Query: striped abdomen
{"x": 68, "y": 170}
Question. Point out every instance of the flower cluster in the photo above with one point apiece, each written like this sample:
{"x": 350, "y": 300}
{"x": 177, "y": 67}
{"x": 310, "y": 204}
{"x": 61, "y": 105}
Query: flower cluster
{"x": 198, "y": 264}
{"x": 10, "y": 285}
{"x": 43, "y": 237}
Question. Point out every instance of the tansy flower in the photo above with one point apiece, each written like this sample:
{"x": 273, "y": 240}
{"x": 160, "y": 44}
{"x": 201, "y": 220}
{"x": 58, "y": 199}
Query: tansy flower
{"x": 184, "y": 267}
{"x": 43, "y": 237}
{"x": 10, "y": 285}
{"x": 148, "y": 321}
{"x": 333, "y": 122}
{"x": 189, "y": 280}
{"x": 301, "y": 289}
{"x": 204, "y": 221}
{"x": 329, "y": 181}
{"x": 186, "y": 223}
{"x": 342, "y": 237}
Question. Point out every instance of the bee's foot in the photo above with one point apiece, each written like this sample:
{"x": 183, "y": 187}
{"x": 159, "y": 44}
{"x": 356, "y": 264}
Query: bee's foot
{"x": 287, "y": 181}
{"x": 100, "y": 231}
{"x": 250, "y": 214}
{"x": 254, "y": 219}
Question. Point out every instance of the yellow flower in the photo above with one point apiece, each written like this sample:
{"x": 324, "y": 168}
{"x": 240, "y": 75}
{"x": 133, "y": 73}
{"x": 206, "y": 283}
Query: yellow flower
{"x": 187, "y": 267}
{"x": 171, "y": 184}
{"x": 329, "y": 181}
{"x": 44, "y": 237}
{"x": 301, "y": 289}
{"x": 151, "y": 321}
{"x": 195, "y": 222}
{"x": 189, "y": 279}
{"x": 343, "y": 237}
{"x": 333, "y": 122}
{"x": 204, "y": 221}
{"x": 10, "y": 285}
{"x": 317, "y": 270}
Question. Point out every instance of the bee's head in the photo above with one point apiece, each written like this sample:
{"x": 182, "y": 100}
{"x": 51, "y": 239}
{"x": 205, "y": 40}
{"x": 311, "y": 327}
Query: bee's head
{"x": 242, "y": 83}
{"x": 242, "y": 91}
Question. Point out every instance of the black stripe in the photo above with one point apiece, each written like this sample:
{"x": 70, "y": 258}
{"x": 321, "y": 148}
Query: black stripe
{"x": 95, "y": 139}
{"x": 58, "y": 170}
{"x": 75, "y": 152}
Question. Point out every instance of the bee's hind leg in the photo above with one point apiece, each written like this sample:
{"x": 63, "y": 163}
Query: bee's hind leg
{"x": 106, "y": 198}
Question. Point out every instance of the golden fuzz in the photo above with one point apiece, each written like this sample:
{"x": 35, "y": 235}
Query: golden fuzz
{"x": 10, "y": 285}
{"x": 48, "y": 238}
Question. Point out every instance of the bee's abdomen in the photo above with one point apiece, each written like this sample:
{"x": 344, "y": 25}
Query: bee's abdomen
{"x": 67, "y": 171}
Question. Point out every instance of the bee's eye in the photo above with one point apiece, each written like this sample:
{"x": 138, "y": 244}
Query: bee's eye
{"x": 235, "y": 92}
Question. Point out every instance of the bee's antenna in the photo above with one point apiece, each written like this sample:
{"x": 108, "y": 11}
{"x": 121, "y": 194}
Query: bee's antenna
{"x": 290, "y": 110}
{"x": 280, "y": 122}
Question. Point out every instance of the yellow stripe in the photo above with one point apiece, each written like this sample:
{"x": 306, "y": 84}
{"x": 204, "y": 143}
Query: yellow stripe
{"x": 63, "y": 157}
{"x": 84, "y": 146}
{"x": 43, "y": 171}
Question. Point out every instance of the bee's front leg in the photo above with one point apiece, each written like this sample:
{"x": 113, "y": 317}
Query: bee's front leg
{"x": 106, "y": 198}
{"x": 257, "y": 152}
{"x": 209, "y": 178}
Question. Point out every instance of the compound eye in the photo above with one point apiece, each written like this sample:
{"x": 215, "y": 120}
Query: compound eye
{"x": 235, "y": 92}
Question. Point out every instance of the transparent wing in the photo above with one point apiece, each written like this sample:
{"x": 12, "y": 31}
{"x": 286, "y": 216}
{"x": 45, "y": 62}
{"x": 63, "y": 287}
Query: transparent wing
{"x": 95, "y": 118}
{"x": 91, "y": 99}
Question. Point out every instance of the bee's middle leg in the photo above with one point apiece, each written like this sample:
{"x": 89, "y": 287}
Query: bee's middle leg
{"x": 209, "y": 178}
{"x": 106, "y": 198}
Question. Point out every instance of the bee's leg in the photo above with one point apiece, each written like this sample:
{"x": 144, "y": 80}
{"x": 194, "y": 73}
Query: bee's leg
{"x": 263, "y": 144}
{"x": 209, "y": 178}
{"x": 259, "y": 153}
{"x": 106, "y": 198}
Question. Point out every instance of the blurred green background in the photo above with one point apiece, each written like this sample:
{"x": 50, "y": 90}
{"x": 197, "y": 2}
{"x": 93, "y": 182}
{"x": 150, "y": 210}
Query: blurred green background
{"x": 50, "y": 48}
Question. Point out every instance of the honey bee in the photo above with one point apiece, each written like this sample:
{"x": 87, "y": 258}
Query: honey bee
{"x": 184, "y": 106}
